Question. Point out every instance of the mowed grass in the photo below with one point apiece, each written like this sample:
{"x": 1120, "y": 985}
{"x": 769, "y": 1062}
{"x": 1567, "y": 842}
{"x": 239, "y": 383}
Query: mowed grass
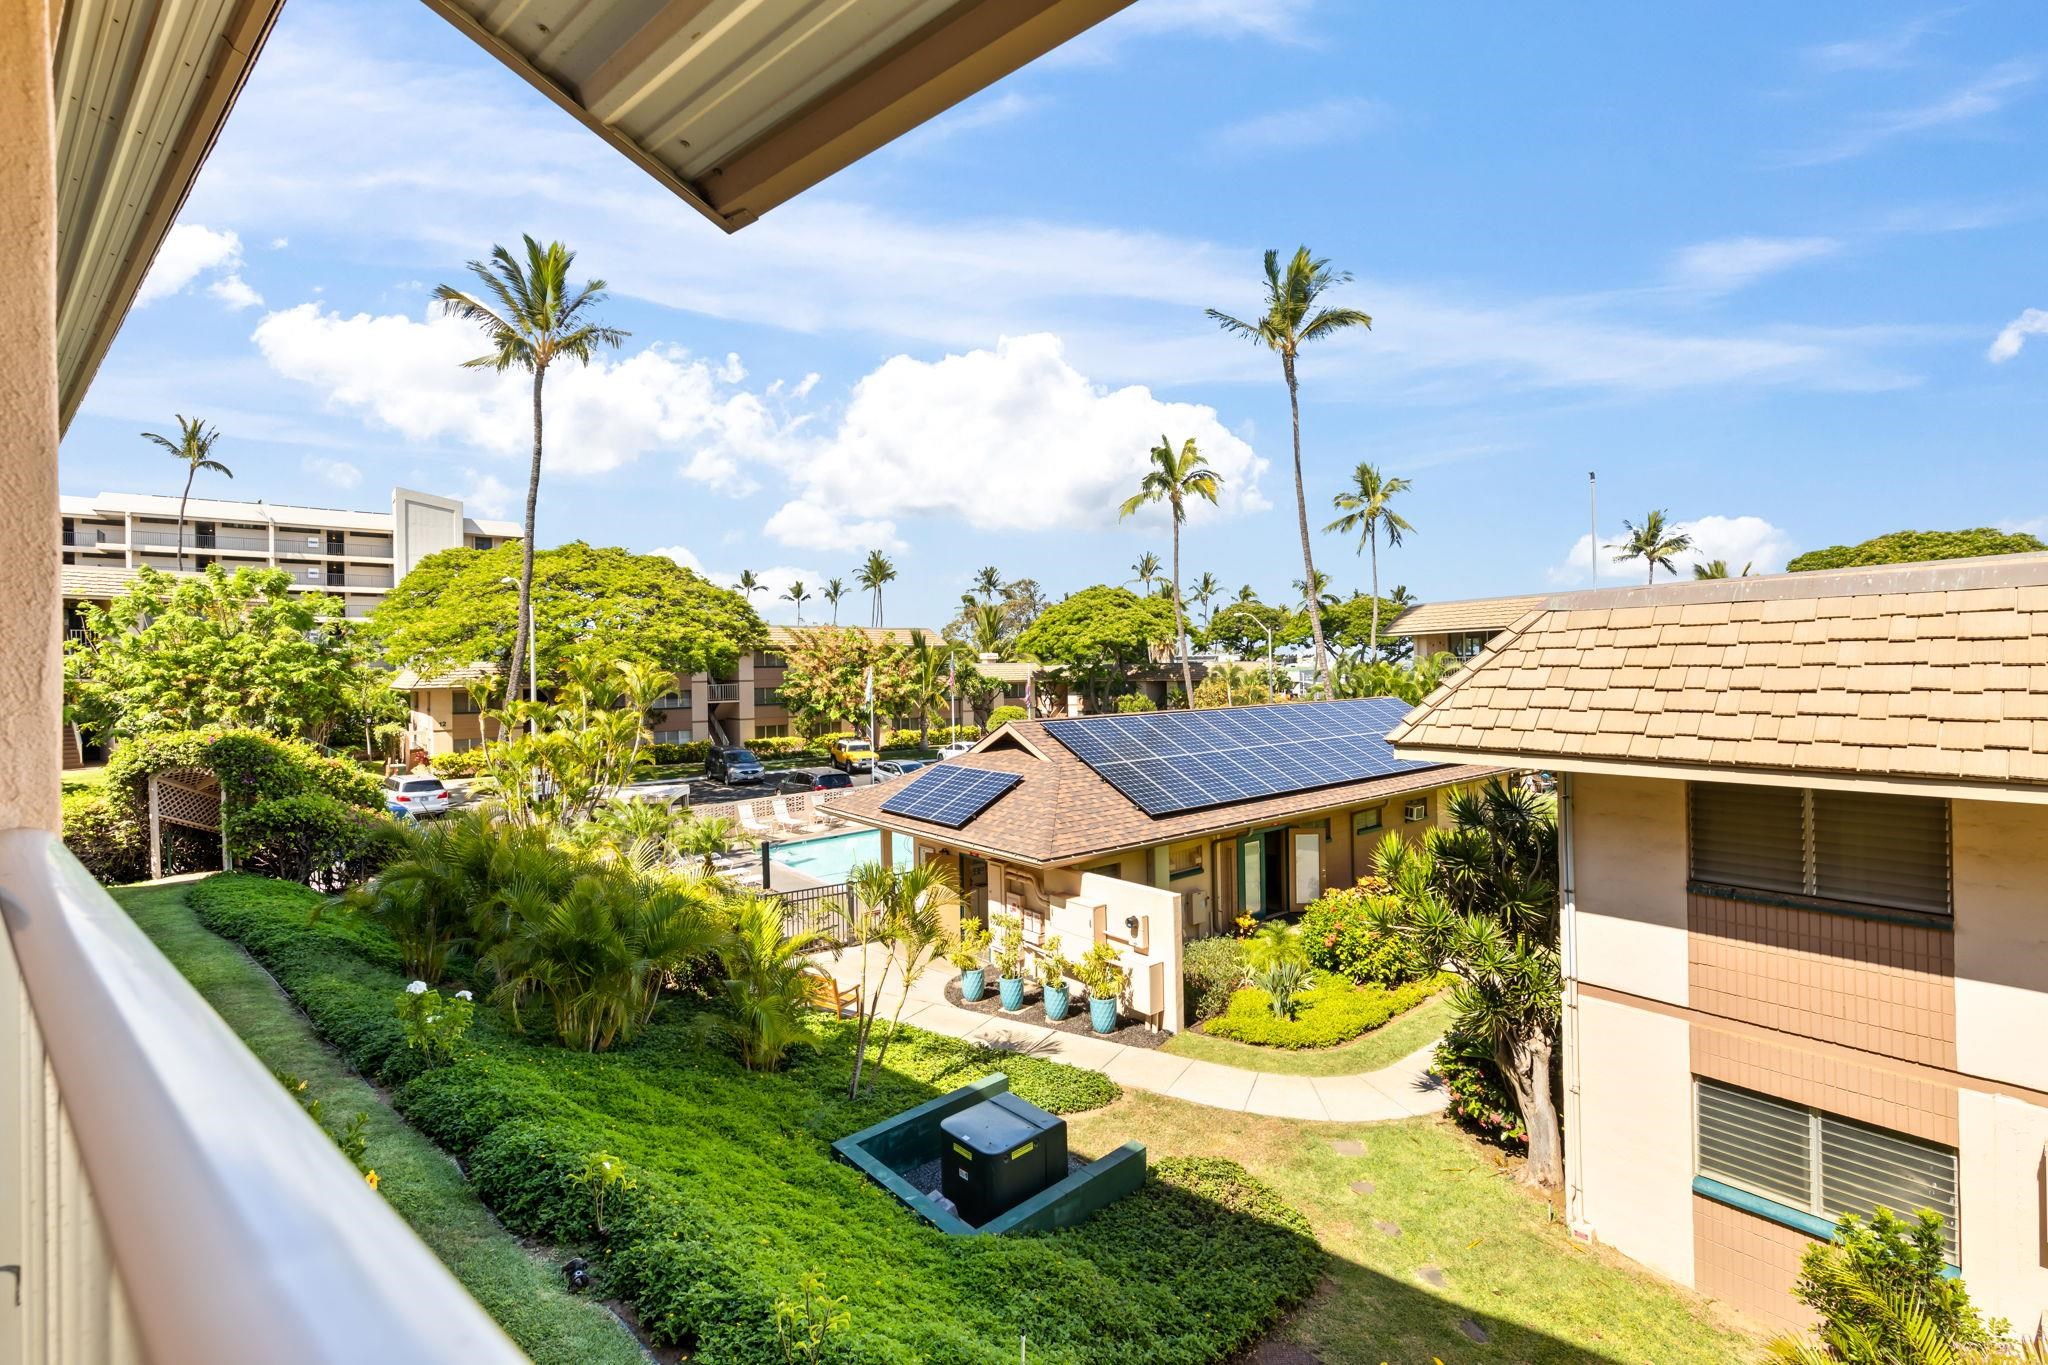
{"x": 525, "y": 1293}
{"x": 1384, "y": 1046}
{"x": 85, "y": 779}
{"x": 1537, "y": 1294}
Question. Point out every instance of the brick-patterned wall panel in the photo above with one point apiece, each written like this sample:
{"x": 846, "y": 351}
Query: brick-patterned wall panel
{"x": 1829, "y": 1082}
{"x": 1748, "y": 1262}
{"x": 1868, "y": 984}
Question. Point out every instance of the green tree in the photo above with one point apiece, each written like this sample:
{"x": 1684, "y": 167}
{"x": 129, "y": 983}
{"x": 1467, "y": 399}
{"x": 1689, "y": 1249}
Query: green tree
{"x": 875, "y": 571}
{"x": 898, "y": 909}
{"x": 1368, "y": 509}
{"x": 835, "y": 589}
{"x": 532, "y": 318}
{"x": 1098, "y": 635}
{"x": 1912, "y": 547}
{"x": 237, "y": 649}
{"x": 1147, "y": 567}
{"x": 761, "y": 978}
{"x": 1292, "y": 320}
{"x": 797, "y": 595}
{"x": 825, "y": 683}
{"x": 750, "y": 583}
{"x": 1884, "y": 1298}
{"x": 455, "y": 609}
{"x": 194, "y": 446}
{"x": 1173, "y": 479}
{"x": 1384, "y": 678}
{"x": 1228, "y": 684}
{"x": 989, "y": 583}
{"x": 1655, "y": 542}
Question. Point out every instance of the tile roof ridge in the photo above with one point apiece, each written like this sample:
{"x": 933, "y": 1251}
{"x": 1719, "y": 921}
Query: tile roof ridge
{"x": 1445, "y": 690}
{"x": 1927, "y": 575}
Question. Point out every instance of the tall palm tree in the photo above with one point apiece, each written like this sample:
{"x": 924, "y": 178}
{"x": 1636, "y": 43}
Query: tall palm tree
{"x": 1321, "y": 597}
{"x": 749, "y": 584}
{"x": 1206, "y": 589}
{"x": 1655, "y": 541}
{"x": 534, "y": 317}
{"x": 989, "y": 628}
{"x": 1291, "y": 321}
{"x": 1366, "y": 510}
{"x": 875, "y": 571}
{"x": 797, "y": 594}
{"x": 1173, "y": 479}
{"x": 1147, "y": 567}
{"x": 1247, "y": 593}
{"x": 989, "y": 583}
{"x": 834, "y": 590}
{"x": 195, "y": 447}
{"x": 1718, "y": 568}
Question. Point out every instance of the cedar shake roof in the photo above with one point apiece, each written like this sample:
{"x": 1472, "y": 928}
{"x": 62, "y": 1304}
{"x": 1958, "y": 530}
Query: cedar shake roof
{"x": 409, "y": 681}
{"x": 895, "y": 635}
{"x": 95, "y": 582}
{"x": 1474, "y": 613}
{"x": 1063, "y": 812}
{"x": 1915, "y": 674}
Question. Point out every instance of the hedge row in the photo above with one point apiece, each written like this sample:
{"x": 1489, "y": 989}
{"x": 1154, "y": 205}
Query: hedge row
{"x": 737, "y": 1196}
{"x": 1324, "y": 1015}
{"x": 470, "y": 762}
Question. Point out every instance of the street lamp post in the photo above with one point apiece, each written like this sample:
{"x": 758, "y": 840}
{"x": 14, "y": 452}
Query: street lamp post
{"x": 1272, "y": 677}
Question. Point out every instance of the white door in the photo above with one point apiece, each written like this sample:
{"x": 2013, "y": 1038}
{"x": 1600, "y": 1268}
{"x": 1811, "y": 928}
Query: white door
{"x": 1252, "y": 876}
{"x": 1308, "y": 866}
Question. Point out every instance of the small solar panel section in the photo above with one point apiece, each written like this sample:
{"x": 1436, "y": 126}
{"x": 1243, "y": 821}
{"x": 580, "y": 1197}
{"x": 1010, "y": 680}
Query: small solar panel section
{"x": 1172, "y": 761}
{"x": 948, "y": 794}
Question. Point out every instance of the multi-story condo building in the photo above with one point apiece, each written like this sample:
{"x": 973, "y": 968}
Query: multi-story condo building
{"x": 356, "y": 556}
{"x": 1805, "y": 946}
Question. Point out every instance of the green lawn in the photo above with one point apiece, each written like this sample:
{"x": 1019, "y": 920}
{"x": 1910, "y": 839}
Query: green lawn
{"x": 519, "y": 1288}
{"x": 1539, "y": 1295}
{"x": 85, "y": 779}
{"x": 1384, "y": 1046}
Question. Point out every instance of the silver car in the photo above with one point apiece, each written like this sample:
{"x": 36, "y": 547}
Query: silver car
{"x": 898, "y": 767}
{"x": 416, "y": 795}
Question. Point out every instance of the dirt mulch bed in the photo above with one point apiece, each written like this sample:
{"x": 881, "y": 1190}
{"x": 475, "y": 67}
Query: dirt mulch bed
{"x": 1127, "y": 1032}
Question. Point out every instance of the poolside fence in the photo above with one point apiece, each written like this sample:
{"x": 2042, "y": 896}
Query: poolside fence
{"x": 821, "y": 910}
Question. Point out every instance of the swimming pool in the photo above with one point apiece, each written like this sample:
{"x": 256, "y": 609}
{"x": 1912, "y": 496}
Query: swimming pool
{"x": 831, "y": 858}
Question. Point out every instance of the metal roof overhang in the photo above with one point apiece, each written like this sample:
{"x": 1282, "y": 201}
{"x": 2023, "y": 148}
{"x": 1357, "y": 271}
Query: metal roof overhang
{"x": 738, "y": 105}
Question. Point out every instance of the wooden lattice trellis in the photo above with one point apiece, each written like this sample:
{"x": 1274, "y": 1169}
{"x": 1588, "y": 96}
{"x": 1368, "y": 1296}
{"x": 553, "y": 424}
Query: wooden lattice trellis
{"x": 190, "y": 797}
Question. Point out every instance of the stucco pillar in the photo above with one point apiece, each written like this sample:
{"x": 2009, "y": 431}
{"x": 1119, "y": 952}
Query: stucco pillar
{"x": 30, "y": 682}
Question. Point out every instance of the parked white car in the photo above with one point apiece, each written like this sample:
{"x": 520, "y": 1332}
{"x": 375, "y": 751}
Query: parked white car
{"x": 416, "y": 795}
{"x": 898, "y": 767}
{"x": 955, "y": 749}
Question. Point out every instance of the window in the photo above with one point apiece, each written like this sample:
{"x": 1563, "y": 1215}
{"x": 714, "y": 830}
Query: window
{"x": 1366, "y": 821}
{"x": 483, "y": 542}
{"x": 465, "y": 704}
{"x": 767, "y": 696}
{"x": 768, "y": 658}
{"x": 1416, "y": 811}
{"x": 463, "y": 746}
{"x": 771, "y": 732}
{"x": 671, "y": 736}
{"x": 673, "y": 701}
{"x": 1862, "y": 847}
{"x": 1817, "y": 1163}
{"x": 1466, "y": 644}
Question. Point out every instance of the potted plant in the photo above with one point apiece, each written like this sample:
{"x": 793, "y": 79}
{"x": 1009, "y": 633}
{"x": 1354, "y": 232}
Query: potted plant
{"x": 1053, "y": 970}
{"x": 967, "y": 956}
{"x": 1009, "y": 957}
{"x": 1104, "y": 976}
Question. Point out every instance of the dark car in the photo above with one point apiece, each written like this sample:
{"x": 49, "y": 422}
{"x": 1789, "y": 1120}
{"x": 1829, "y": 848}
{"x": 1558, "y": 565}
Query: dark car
{"x": 733, "y": 766}
{"x": 830, "y": 782}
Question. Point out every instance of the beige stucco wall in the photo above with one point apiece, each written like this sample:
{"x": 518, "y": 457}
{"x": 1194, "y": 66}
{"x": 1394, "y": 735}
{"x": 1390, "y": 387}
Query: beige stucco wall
{"x": 1629, "y": 872}
{"x": 1629, "y": 1157}
{"x": 2001, "y": 941}
{"x": 30, "y": 675}
{"x": 2004, "y": 1207}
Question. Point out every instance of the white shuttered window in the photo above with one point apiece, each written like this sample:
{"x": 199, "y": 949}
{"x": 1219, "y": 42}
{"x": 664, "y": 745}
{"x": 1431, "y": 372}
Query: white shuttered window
{"x": 1865, "y": 848}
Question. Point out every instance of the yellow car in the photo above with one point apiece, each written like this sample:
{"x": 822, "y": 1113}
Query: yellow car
{"x": 853, "y": 755}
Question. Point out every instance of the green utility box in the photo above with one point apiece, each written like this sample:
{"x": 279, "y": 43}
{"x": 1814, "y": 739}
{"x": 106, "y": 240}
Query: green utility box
{"x": 998, "y": 1154}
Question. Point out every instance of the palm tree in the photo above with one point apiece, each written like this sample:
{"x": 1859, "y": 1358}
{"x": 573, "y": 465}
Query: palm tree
{"x": 536, "y": 317}
{"x": 1147, "y": 567}
{"x": 1655, "y": 541}
{"x": 1291, "y": 321}
{"x": 1718, "y": 568}
{"x": 989, "y": 582}
{"x": 1173, "y": 479}
{"x": 989, "y": 629}
{"x": 1366, "y": 510}
{"x": 195, "y": 447}
{"x": 1206, "y": 590}
{"x": 1321, "y": 597}
{"x": 875, "y": 571}
{"x": 749, "y": 584}
{"x": 834, "y": 590}
{"x": 798, "y": 595}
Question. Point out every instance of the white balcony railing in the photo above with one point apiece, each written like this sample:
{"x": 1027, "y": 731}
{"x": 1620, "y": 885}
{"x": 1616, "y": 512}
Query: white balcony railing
{"x": 242, "y": 541}
{"x": 724, "y": 691}
{"x": 238, "y": 1232}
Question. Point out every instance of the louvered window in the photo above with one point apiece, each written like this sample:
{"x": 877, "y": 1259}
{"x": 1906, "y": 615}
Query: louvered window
{"x": 1818, "y": 1163}
{"x": 1861, "y": 847}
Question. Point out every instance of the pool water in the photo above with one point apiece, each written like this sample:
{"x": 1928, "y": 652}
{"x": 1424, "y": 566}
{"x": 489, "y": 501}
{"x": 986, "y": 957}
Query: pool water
{"x": 830, "y": 859}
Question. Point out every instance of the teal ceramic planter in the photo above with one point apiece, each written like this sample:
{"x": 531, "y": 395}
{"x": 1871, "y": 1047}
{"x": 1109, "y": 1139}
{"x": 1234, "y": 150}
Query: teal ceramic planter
{"x": 1102, "y": 1015}
{"x": 1012, "y": 990}
{"x": 973, "y": 982}
{"x": 1057, "y": 1002}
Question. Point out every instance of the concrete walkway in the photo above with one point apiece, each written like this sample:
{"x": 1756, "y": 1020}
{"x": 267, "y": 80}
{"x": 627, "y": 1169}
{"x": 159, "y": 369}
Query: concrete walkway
{"x": 1406, "y": 1089}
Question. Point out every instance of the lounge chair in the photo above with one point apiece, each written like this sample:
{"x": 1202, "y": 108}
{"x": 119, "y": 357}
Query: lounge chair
{"x": 784, "y": 819}
{"x": 752, "y": 823}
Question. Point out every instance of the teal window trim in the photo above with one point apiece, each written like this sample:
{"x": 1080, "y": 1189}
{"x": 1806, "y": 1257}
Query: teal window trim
{"x": 1945, "y": 923}
{"x": 1184, "y": 872}
{"x": 1784, "y": 1215}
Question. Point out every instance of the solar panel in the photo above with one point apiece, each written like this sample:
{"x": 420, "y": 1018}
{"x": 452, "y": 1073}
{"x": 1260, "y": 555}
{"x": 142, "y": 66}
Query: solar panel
{"x": 949, "y": 794}
{"x": 1171, "y": 761}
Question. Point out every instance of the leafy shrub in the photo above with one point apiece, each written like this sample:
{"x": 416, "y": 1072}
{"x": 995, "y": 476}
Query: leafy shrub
{"x": 1131, "y": 703}
{"x": 1003, "y": 715}
{"x": 113, "y": 849}
{"x": 1211, "y": 969}
{"x": 783, "y": 746}
{"x": 309, "y": 838}
{"x": 693, "y": 751}
{"x": 1882, "y": 1295}
{"x": 435, "y": 1025}
{"x": 468, "y": 763}
{"x": 1908, "y": 547}
{"x": 1324, "y": 1015}
{"x": 1340, "y": 940}
{"x": 735, "y": 1188}
{"x": 1479, "y": 1095}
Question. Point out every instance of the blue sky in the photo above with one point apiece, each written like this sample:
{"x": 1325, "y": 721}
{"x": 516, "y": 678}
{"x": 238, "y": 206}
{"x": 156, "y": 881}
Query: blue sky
{"x": 1770, "y": 269}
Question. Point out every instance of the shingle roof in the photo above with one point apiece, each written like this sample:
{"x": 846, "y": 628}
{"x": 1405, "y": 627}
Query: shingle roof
{"x": 1933, "y": 673}
{"x": 95, "y": 582}
{"x": 1063, "y": 812}
{"x": 408, "y": 681}
{"x": 1473, "y": 613}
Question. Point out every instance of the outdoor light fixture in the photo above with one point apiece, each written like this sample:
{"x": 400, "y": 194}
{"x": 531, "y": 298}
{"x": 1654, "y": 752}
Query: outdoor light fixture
{"x": 578, "y": 1271}
{"x": 1131, "y": 925}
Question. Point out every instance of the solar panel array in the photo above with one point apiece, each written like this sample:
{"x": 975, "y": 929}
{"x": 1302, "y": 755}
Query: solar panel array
{"x": 1172, "y": 761}
{"x": 949, "y": 794}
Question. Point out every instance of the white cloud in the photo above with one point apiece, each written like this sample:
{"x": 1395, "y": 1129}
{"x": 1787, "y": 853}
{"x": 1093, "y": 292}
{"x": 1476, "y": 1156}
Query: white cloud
{"x": 776, "y": 582}
{"x": 280, "y": 243}
{"x": 2032, "y": 322}
{"x": 1009, "y": 439}
{"x": 189, "y": 250}
{"x": 340, "y": 473}
{"x": 1315, "y": 125}
{"x": 1878, "y": 51}
{"x": 1729, "y": 263}
{"x": 732, "y": 371}
{"x": 837, "y": 527}
{"x": 1738, "y": 541}
{"x": 1278, "y": 20}
{"x": 235, "y": 292}
{"x": 681, "y": 554}
{"x": 486, "y": 493}
{"x": 1987, "y": 95}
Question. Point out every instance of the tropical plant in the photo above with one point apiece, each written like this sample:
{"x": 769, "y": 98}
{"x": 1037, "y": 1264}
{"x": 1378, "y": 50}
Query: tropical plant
{"x": 1173, "y": 479}
{"x": 989, "y": 583}
{"x": 434, "y": 1024}
{"x": 928, "y": 682}
{"x": 1411, "y": 682}
{"x": 749, "y": 583}
{"x": 835, "y": 589}
{"x": 969, "y": 949}
{"x": 1097, "y": 636}
{"x": 916, "y": 933}
{"x": 1228, "y": 684}
{"x": 1368, "y": 509}
{"x": 1884, "y": 1298}
{"x": 1206, "y": 589}
{"x": 1716, "y": 568}
{"x": 603, "y": 1175}
{"x": 896, "y": 909}
{"x": 1291, "y": 320}
{"x": 1008, "y": 954}
{"x": 1278, "y": 959}
{"x": 1053, "y": 967}
{"x": 1147, "y": 566}
{"x": 989, "y": 629}
{"x": 762, "y": 983}
{"x": 875, "y": 571}
{"x": 798, "y": 595}
{"x": 533, "y": 318}
{"x": 1102, "y": 973}
{"x": 1911, "y": 547}
{"x": 804, "y": 1325}
{"x": 1654, "y": 542}
{"x": 708, "y": 838}
{"x": 194, "y": 446}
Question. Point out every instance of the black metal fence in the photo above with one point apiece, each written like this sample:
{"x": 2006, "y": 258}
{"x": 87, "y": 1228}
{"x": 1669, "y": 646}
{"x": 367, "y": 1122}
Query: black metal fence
{"x": 821, "y": 910}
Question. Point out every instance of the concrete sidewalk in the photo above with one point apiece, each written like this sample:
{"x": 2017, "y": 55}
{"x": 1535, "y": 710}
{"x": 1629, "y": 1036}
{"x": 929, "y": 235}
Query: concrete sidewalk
{"x": 1404, "y": 1090}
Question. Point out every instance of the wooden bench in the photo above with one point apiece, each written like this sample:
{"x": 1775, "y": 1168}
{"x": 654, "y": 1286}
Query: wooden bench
{"x": 822, "y": 992}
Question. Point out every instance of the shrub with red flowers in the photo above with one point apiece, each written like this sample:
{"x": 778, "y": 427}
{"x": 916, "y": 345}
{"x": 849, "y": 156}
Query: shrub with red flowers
{"x": 1339, "y": 939}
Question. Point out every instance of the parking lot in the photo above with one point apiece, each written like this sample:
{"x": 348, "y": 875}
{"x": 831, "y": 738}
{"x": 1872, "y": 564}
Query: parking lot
{"x": 704, "y": 791}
